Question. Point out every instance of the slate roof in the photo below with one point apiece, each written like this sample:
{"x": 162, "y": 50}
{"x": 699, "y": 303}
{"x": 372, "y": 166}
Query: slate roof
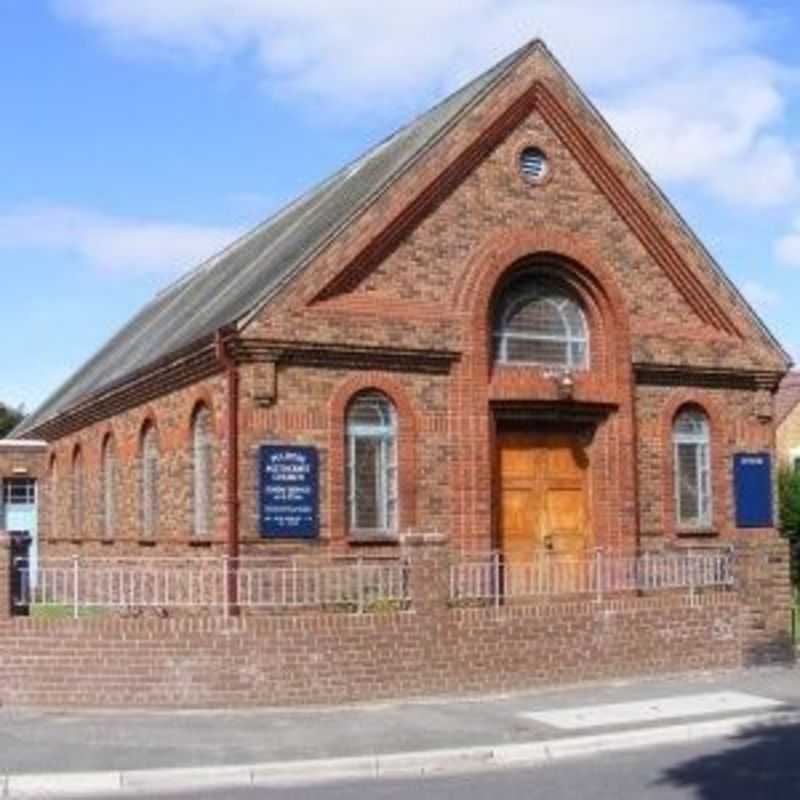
{"x": 225, "y": 288}
{"x": 788, "y": 396}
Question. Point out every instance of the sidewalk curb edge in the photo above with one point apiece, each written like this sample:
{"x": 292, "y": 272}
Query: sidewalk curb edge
{"x": 386, "y": 766}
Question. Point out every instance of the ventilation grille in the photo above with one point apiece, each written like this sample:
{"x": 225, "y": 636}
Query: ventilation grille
{"x": 533, "y": 164}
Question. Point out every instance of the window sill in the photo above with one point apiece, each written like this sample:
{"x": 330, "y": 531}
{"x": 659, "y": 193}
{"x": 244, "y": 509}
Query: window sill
{"x": 699, "y": 532}
{"x": 146, "y": 542}
{"x": 201, "y": 542}
{"x": 372, "y": 538}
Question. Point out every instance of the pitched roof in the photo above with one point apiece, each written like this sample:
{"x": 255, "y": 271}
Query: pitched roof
{"x": 788, "y": 396}
{"x": 225, "y": 288}
{"x": 230, "y": 286}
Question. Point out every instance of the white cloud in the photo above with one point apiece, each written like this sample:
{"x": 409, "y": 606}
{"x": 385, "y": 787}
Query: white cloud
{"x": 714, "y": 121}
{"x": 362, "y": 49}
{"x": 113, "y": 244}
{"x": 760, "y": 296}
{"x": 765, "y": 174}
{"x": 787, "y": 248}
{"x": 716, "y": 129}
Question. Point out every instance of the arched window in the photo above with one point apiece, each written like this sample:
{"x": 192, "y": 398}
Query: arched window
{"x": 150, "y": 482}
{"x": 109, "y": 488}
{"x": 202, "y": 472}
{"x": 372, "y": 464}
{"x": 541, "y": 323}
{"x": 692, "y": 456}
{"x": 78, "y": 489}
{"x": 52, "y": 492}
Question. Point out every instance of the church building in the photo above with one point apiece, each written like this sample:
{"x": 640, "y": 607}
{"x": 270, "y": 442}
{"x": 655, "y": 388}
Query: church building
{"x": 492, "y": 326}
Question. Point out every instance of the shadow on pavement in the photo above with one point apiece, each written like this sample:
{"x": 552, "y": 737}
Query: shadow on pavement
{"x": 761, "y": 763}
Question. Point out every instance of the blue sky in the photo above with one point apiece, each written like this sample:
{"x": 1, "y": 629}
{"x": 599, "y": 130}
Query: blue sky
{"x": 140, "y": 136}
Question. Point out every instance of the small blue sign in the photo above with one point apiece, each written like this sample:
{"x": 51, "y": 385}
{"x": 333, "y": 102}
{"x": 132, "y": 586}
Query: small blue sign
{"x": 288, "y": 492}
{"x": 752, "y": 479}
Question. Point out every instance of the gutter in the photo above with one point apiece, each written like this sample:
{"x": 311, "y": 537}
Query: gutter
{"x": 61, "y": 423}
{"x": 228, "y": 364}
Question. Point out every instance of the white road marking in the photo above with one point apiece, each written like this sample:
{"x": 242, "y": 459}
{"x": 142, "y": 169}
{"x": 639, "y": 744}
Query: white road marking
{"x": 696, "y": 705}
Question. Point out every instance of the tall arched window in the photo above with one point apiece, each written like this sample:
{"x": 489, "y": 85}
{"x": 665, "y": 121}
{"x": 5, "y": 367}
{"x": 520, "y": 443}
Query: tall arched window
{"x": 541, "y": 323}
{"x": 372, "y": 464}
{"x": 692, "y": 456}
{"x": 78, "y": 493}
{"x": 109, "y": 488}
{"x": 150, "y": 482}
{"x": 202, "y": 472}
{"x": 52, "y": 493}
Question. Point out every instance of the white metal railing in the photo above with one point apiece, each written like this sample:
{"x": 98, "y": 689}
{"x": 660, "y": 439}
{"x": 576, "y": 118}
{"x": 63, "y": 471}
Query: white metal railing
{"x": 358, "y": 586}
{"x": 488, "y": 578}
{"x": 78, "y": 585}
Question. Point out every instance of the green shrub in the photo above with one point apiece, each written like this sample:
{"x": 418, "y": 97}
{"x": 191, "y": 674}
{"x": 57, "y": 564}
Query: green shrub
{"x": 789, "y": 511}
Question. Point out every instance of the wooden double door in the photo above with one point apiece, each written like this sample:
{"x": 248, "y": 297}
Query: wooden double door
{"x": 543, "y": 494}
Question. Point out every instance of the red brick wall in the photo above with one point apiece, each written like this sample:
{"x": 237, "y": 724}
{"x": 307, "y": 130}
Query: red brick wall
{"x": 434, "y": 648}
{"x": 172, "y": 416}
{"x": 642, "y": 280}
{"x": 434, "y": 290}
{"x": 311, "y": 411}
{"x": 414, "y": 286}
{"x": 195, "y": 662}
{"x": 788, "y": 437}
{"x": 21, "y": 461}
{"x": 734, "y": 427}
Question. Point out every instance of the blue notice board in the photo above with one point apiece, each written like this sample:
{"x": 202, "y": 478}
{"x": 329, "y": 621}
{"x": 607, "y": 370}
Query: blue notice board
{"x": 752, "y": 479}
{"x": 288, "y": 492}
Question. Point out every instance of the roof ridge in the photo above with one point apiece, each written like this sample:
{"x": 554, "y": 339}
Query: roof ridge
{"x": 667, "y": 204}
{"x": 229, "y": 285}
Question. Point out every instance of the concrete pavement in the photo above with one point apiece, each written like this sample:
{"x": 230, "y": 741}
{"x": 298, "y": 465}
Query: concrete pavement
{"x": 752, "y": 767}
{"x": 70, "y": 753}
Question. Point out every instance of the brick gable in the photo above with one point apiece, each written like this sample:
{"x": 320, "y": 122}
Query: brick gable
{"x": 392, "y": 268}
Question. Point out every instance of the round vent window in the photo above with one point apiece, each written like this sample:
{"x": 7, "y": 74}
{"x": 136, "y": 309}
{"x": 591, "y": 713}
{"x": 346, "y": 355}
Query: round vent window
{"x": 534, "y": 165}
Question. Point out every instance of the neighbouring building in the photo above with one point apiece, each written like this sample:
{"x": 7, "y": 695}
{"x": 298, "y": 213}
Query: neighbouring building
{"x": 493, "y": 326}
{"x": 787, "y": 421}
{"x": 21, "y": 472}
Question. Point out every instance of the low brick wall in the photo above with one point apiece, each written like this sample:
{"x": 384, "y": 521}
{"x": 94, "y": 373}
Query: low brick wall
{"x": 433, "y": 648}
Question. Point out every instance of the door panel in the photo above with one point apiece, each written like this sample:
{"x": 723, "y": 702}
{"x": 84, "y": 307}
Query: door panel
{"x": 543, "y": 495}
{"x": 519, "y": 522}
{"x": 565, "y": 511}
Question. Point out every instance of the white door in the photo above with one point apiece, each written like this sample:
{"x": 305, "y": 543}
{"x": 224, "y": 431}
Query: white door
{"x": 18, "y": 513}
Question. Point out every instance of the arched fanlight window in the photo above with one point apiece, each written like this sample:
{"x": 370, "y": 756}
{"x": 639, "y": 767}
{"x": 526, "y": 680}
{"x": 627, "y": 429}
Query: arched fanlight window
{"x": 78, "y": 489}
{"x": 372, "y": 464}
{"x": 541, "y": 323}
{"x": 692, "y": 455}
{"x": 202, "y": 472}
{"x": 150, "y": 482}
{"x": 109, "y": 488}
